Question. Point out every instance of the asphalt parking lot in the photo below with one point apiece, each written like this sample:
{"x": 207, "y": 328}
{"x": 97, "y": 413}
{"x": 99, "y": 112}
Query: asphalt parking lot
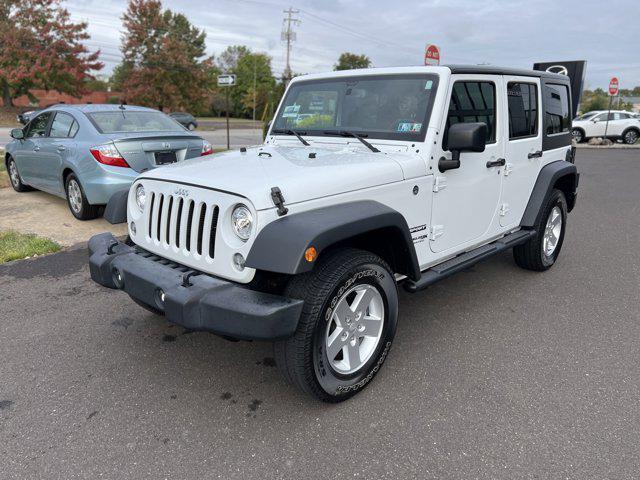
{"x": 495, "y": 373}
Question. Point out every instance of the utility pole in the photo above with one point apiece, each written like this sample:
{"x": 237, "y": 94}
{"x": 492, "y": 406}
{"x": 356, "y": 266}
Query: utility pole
{"x": 254, "y": 88}
{"x": 289, "y": 36}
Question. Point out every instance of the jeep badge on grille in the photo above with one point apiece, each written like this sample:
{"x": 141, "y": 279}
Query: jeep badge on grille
{"x": 181, "y": 191}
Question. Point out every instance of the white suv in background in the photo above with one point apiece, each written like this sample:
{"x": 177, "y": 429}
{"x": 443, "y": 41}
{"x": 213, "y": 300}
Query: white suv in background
{"x": 622, "y": 125}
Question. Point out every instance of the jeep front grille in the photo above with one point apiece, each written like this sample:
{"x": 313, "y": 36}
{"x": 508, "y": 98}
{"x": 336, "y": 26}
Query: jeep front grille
{"x": 183, "y": 223}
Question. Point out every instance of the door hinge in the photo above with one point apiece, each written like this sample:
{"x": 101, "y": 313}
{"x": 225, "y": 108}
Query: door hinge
{"x": 439, "y": 183}
{"x": 508, "y": 168}
{"x": 436, "y": 231}
{"x": 504, "y": 208}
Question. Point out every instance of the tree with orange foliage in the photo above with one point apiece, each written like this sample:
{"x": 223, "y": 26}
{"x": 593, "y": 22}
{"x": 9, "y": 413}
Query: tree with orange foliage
{"x": 165, "y": 63}
{"x": 40, "y": 47}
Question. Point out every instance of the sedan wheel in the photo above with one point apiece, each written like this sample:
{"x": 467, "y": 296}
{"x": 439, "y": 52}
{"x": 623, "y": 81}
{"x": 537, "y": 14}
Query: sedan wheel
{"x": 78, "y": 203}
{"x": 14, "y": 177}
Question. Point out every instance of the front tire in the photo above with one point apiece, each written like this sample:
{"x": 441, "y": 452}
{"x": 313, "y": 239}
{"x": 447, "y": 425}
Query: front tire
{"x": 14, "y": 177}
{"x": 347, "y": 325}
{"x": 77, "y": 200}
{"x": 541, "y": 251}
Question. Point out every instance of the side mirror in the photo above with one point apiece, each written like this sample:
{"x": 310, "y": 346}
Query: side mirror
{"x": 17, "y": 133}
{"x": 463, "y": 137}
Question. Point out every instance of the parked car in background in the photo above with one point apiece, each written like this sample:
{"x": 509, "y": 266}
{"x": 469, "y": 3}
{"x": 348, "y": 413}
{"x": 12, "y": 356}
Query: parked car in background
{"x": 25, "y": 117}
{"x": 186, "y": 119}
{"x": 86, "y": 153}
{"x": 622, "y": 125}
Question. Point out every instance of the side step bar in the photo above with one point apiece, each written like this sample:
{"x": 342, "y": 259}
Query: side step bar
{"x": 466, "y": 260}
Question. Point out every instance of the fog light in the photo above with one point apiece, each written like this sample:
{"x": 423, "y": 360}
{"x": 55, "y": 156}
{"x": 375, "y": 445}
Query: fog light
{"x": 238, "y": 261}
{"x": 118, "y": 279}
{"x": 132, "y": 227}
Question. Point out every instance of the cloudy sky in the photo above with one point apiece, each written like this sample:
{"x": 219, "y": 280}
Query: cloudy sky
{"x": 513, "y": 33}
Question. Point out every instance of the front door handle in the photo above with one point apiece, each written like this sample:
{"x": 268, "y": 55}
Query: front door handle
{"x": 501, "y": 162}
{"x": 61, "y": 148}
{"x": 36, "y": 148}
{"x": 537, "y": 154}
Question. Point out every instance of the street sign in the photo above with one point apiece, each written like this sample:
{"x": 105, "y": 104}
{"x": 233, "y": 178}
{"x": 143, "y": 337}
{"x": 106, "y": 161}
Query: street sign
{"x": 613, "y": 87}
{"x": 226, "y": 80}
{"x": 432, "y": 55}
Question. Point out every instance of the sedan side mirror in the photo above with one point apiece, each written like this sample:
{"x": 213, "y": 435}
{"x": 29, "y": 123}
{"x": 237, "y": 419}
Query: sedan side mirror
{"x": 463, "y": 137}
{"x": 17, "y": 133}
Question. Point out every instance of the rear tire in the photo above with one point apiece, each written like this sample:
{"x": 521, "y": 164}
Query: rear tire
{"x": 631, "y": 136}
{"x": 77, "y": 200}
{"x": 346, "y": 328}
{"x": 14, "y": 176}
{"x": 542, "y": 250}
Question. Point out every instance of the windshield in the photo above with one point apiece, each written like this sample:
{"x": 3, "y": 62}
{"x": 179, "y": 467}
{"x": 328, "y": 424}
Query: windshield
{"x": 393, "y": 107}
{"x": 133, "y": 121}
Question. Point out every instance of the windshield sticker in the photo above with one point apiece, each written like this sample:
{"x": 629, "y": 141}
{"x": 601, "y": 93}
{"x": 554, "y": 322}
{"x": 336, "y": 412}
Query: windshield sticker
{"x": 409, "y": 127}
{"x": 291, "y": 111}
{"x": 428, "y": 85}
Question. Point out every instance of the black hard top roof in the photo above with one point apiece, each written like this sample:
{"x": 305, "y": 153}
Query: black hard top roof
{"x": 494, "y": 70}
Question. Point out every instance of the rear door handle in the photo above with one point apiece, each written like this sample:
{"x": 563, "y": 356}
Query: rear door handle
{"x": 61, "y": 148}
{"x": 537, "y": 154}
{"x": 36, "y": 148}
{"x": 497, "y": 163}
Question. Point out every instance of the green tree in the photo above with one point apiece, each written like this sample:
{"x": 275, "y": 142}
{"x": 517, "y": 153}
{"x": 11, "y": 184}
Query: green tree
{"x": 165, "y": 63}
{"x": 349, "y": 61}
{"x": 255, "y": 82}
{"x": 40, "y": 47}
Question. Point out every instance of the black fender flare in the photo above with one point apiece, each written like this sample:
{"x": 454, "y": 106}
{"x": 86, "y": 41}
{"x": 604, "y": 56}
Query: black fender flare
{"x": 116, "y": 209}
{"x": 549, "y": 175}
{"x": 280, "y": 245}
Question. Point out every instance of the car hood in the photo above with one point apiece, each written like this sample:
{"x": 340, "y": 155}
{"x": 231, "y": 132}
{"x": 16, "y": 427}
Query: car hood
{"x": 253, "y": 173}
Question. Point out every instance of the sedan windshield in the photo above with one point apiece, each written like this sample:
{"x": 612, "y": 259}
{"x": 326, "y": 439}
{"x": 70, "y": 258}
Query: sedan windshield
{"x": 393, "y": 107}
{"x": 133, "y": 121}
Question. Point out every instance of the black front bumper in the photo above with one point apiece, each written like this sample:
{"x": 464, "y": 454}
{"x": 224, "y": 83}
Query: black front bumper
{"x": 202, "y": 302}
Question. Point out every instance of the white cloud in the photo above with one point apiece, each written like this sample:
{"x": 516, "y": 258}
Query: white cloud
{"x": 510, "y": 33}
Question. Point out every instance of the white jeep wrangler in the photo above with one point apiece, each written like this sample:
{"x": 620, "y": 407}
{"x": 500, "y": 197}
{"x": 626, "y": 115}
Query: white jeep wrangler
{"x": 367, "y": 180}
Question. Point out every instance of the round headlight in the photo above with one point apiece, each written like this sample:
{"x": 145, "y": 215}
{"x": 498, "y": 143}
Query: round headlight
{"x": 141, "y": 196}
{"x": 242, "y": 222}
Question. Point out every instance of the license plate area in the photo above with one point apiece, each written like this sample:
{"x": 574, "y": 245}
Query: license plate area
{"x": 164, "y": 158}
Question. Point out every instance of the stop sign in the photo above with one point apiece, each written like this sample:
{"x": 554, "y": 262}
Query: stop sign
{"x": 613, "y": 86}
{"x": 432, "y": 55}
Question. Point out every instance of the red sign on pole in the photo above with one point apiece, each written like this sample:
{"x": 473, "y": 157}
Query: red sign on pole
{"x": 613, "y": 86}
{"x": 432, "y": 55}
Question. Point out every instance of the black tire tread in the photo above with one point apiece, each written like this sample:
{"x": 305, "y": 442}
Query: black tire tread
{"x": 293, "y": 355}
{"x": 527, "y": 255}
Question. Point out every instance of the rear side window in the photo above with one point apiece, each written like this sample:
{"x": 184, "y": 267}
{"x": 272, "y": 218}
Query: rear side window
{"x": 557, "y": 115}
{"x": 473, "y": 101}
{"x": 523, "y": 110}
{"x": 131, "y": 121}
{"x": 62, "y": 126}
{"x": 38, "y": 126}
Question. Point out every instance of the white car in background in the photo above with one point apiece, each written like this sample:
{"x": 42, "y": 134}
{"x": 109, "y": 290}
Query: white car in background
{"x": 622, "y": 125}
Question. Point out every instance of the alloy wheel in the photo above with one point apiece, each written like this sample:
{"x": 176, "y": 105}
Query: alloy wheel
{"x": 14, "y": 176}
{"x": 552, "y": 232}
{"x": 631, "y": 137}
{"x": 355, "y": 328}
{"x": 75, "y": 195}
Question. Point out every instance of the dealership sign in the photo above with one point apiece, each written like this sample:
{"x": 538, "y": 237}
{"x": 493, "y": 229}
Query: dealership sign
{"x": 432, "y": 55}
{"x": 574, "y": 69}
{"x": 613, "y": 86}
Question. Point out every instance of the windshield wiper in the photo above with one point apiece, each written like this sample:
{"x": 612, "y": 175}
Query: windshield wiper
{"x": 344, "y": 133}
{"x": 291, "y": 132}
